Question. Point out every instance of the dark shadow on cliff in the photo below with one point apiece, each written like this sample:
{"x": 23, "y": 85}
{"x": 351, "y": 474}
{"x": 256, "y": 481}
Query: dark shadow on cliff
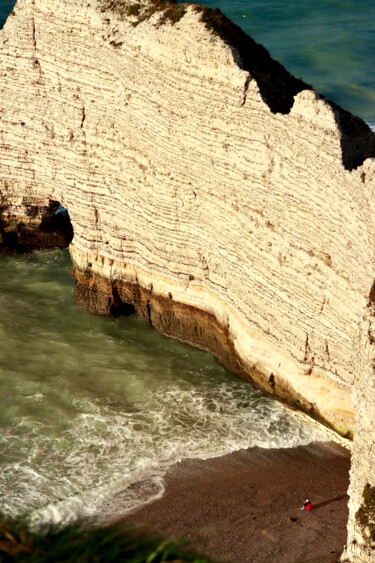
{"x": 28, "y": 233}
{"x": 278, "y": 87}
{"x": 357, "y": 139}
{"x": 92, "y": 294}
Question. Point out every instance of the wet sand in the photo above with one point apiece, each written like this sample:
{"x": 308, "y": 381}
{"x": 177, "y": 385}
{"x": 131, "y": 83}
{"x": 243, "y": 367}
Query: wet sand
{"x": 245, "y": 507}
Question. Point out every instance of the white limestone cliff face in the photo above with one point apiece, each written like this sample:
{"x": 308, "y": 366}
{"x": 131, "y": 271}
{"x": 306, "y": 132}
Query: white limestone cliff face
{"x": 229, "y": 224}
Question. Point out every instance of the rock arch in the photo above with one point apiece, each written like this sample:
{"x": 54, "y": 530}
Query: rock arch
{"x": 228, "y": 221}
{"x": 33, "y": 225}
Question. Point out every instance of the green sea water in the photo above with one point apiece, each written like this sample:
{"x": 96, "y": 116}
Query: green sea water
{"x": 89, "y": 405}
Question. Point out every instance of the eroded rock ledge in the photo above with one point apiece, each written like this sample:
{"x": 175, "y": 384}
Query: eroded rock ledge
{"x": 225, "y": 201}
{"x": 195, "y": 316}
{"x": 35, "y": 228}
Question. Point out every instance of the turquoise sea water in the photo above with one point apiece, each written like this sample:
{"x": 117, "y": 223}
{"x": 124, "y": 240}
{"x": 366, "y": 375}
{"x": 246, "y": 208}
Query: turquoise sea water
{"x": 328, "y": 43}
{"x": 89, "y": 405}
{"x": 6, "y": 6}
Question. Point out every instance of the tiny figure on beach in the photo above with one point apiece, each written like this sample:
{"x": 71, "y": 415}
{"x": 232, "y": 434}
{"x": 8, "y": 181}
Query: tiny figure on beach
{"x": 307, "y": 505}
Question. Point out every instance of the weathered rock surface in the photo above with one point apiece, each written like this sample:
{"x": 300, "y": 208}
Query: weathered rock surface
{"x": 35, "y": 228}
{"x": 225, "y": 201}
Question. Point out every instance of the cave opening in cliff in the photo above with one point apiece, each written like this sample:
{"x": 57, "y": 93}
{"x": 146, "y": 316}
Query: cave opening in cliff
{"x": 36, "y": 227}
{"x": 61, "y": 220}
{"x": 55, "y": 228}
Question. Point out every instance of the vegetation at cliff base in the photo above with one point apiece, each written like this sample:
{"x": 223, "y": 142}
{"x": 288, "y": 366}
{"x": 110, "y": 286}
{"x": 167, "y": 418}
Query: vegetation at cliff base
{"x": 104, "y": 545}
{"x": 365, "y": 515}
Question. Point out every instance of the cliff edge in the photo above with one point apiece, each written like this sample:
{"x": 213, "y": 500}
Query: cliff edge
{"x": 224, "y": 200}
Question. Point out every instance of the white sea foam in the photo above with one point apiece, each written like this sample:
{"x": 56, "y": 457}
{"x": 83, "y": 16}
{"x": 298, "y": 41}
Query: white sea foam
{"x": 102, "y": 504}
{"x": 105, "y": 406}
{"x": 137, "y": 448}
{"x": 104, "y": 451}
{"x": 36, "y": 396}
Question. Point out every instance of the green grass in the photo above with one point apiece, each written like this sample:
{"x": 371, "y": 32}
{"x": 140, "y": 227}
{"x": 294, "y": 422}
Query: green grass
{"x": 105, "y": 545}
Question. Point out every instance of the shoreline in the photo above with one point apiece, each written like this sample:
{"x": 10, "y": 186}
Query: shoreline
{"x": 245, "y": 506}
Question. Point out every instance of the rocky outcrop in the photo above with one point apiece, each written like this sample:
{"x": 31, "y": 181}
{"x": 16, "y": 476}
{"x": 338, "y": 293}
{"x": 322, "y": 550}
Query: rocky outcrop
{"x": 226, "y": 202}
{"x": 34, "y": 228}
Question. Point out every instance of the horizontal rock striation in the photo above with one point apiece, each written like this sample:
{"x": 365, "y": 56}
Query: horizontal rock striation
{"x": 225, "y": 201}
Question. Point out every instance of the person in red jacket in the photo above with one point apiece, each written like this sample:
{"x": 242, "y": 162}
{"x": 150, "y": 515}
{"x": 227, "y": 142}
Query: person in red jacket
{"x": 307, "y": 505}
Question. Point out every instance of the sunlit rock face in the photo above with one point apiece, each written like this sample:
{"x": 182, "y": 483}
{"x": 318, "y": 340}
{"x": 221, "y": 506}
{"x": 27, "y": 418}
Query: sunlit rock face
{"x": 226, "y": 202}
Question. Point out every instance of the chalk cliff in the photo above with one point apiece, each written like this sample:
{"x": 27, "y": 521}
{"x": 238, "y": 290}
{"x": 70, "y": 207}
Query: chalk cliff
{"x": 225, "y": 201}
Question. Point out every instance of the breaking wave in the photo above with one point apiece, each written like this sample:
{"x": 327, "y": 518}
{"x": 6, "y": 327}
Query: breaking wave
{"x": 94, "y": 410}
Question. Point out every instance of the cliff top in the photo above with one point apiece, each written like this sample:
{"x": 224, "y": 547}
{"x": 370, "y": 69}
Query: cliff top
{"x": 277, "y": 86}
